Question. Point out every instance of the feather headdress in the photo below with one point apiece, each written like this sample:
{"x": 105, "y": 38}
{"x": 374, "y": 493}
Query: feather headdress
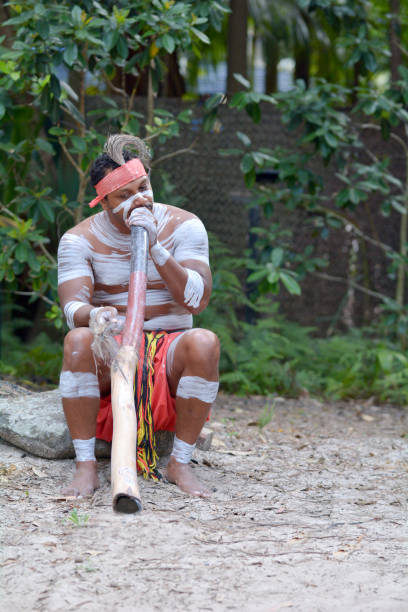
{"x": 117, "y": 143}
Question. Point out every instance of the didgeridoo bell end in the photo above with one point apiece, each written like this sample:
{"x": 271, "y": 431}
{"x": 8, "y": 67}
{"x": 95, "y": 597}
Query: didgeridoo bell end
{"x": 127, "y": 504}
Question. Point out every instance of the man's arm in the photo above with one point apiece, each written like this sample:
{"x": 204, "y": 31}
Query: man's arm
{"x": 76, "y": 281}
{"x": 187, "y": 274}
{"x": 188, "y": 281}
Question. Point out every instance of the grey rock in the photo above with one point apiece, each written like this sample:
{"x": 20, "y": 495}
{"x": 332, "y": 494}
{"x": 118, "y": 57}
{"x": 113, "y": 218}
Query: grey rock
{"x": 35, "y": 422}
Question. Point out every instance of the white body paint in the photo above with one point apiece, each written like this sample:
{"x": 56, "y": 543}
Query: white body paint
{"x": 159, "y": 254}
{"x": 144, "y": 218}
{"x": 110, "y": 266}
{"x": 182, "y": 451}
{"x": 197, "y": 387}
{"x": 84, "y": 449}
{"x": 124, "y": 206}
{"x": 78, "y": 384}
{"x": 194, "y": 289}
{"x": 69, "y": 311}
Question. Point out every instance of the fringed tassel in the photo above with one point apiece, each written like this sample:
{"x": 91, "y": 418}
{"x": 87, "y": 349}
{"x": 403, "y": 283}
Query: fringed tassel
{"x": 146, "y": 452}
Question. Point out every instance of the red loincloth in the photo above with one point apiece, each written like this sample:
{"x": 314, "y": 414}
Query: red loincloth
{"x": 163, "y": 404}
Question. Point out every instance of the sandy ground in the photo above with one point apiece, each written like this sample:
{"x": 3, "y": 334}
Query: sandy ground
{"x": 308, "y": 513}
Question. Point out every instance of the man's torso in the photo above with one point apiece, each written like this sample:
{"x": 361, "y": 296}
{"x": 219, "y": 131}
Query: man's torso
{"x": 97, "y": 249}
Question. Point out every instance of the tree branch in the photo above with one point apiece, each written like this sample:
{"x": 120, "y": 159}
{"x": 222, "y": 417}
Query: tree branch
{"x": 179, "y": 152}
{"x": 339, "y": 279}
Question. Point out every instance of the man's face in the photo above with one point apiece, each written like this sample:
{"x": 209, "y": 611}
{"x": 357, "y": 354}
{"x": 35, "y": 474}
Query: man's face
{"x": 120, "y": 203}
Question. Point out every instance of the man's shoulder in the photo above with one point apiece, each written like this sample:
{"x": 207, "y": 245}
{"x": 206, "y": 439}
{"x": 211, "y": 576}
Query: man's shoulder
{"x": 174, "y": 213}
{"x": 81, "y": 229}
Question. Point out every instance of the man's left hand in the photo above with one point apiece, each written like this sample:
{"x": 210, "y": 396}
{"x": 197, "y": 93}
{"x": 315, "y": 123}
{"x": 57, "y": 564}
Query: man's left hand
{"x": 143, "y": 217}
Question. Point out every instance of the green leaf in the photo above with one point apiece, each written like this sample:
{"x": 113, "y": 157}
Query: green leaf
{"x": 57, "y": 131}
{"x": 76, "y": 15}
{"x": 247, "y": 163}
{"x": 167, "y": 42}
{"x": 277, "y": 256}
{"x": 21, "y": 252}
{"x": 111, "y": 38}
{"x": 241, "y": 79}
{"x": 290, "y": 283}
{"x": 254, "y": 111}
{"x": 203, "y": 37}
{"x": 214, "y": 101}
{"x": 79, "y": 143}
{"x": 73, "y": 111}
{"x": 70, "y": 53}
{"x": 46, "y": 211}
{"x": 244, "y": 139}
{"x": 44, "y": 145}
{"x": 122, "y": 47}
{"x": 185, "y": 116}
{"x": 228, "y": 152}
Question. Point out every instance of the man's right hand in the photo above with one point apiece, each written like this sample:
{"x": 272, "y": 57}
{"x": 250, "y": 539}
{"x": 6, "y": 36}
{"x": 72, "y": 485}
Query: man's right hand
{"x": 104, "y": 315}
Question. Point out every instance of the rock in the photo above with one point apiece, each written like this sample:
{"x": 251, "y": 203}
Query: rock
{"x": 35, "y": 422}
{"x": 205, "y": 439}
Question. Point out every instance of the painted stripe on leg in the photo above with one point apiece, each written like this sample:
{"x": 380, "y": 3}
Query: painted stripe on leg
{"x": 198, "y": 388}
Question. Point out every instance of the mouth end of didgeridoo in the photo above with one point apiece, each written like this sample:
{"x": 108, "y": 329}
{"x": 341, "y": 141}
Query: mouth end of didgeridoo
{"x": 126, "y": 504}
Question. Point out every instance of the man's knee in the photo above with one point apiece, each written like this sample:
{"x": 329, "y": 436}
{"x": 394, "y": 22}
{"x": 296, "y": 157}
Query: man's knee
{"x": 77, "y": 344}
{"x": 202, "y": 346}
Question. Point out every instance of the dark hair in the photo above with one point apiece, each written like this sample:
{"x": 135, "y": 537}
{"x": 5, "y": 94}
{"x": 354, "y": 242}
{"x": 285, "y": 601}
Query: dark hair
{"x": 104, "y": 164}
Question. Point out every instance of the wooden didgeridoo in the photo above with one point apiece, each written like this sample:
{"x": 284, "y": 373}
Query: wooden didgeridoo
{"x": 125, "y": 490}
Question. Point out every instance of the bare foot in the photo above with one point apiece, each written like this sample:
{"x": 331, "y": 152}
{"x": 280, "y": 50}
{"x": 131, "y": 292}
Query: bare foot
{"x": 182, "y": 475}
{"x": 85, "y": 480}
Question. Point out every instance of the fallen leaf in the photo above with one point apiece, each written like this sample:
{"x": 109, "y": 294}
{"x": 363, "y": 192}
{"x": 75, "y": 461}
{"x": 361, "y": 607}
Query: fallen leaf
{"x": 368, "y": 418}
{"x": 39, "y": 473}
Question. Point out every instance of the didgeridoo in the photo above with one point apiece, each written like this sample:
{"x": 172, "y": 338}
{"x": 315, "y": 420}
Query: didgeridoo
{"x": 125, "y": 490}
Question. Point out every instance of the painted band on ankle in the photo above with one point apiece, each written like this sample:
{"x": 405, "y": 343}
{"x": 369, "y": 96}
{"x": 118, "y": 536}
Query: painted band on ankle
{"x": 182, "y": 451}
{"x": 84, "y": 449}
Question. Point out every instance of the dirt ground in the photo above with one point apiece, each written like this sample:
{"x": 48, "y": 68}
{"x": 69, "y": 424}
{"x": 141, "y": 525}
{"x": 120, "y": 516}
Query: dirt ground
{"x": 308, "y": 512}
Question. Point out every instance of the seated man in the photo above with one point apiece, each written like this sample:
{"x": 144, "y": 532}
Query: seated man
{"x": 93, "y": 277}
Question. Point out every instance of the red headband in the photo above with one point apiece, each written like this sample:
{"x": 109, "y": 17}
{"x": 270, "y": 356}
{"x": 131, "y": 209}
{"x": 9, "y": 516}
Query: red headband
{"x": 120, "y": 177}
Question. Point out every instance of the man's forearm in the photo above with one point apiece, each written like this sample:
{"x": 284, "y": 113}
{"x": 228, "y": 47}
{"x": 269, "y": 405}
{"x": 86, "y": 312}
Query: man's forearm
{"x": 188, "y": 287}
{"x": 77, "y": 313}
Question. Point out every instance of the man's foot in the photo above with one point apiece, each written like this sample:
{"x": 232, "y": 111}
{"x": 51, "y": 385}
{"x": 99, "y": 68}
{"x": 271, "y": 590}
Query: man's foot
{"x": 182, "y": 475}
{"x": 85, "y": 480}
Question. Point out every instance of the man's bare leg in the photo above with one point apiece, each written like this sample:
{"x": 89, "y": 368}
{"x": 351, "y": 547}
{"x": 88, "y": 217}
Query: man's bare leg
{"x": 81, "y": 411}
{"x": 196, "y": 355}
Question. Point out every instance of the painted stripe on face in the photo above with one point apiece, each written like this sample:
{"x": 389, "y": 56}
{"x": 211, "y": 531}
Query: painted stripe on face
{"x": 198, "y": 388}
{"x": 124, "y": 206}
{"x": 78, "y": 384}
{"x": 194, "y": 289}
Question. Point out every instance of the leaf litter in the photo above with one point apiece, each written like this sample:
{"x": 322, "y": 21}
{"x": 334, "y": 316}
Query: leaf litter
{"x": 307, "y": 512}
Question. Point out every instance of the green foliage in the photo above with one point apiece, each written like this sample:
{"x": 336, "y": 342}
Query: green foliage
{"x": 60, "y": 66}
{"x": 35, "y": 363}
{"x": 79, "y": 520}
{"x": 276, "y": 356}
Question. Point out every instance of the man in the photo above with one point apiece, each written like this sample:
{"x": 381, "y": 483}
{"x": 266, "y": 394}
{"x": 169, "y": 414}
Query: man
{"x": 93, "y": 276}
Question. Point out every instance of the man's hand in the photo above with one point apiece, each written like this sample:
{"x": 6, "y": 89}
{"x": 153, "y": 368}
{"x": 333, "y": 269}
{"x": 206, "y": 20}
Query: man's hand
{"x": 105, "y": 316}
{"x": 143, "y": 217}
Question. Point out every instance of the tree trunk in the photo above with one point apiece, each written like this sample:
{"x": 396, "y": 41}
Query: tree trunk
{"x": 174, "y": 85}
{"x": 237, "y": 44}
{"x": 302, "y": 63}
{"x": 271, "y": 60}
{"x": 395, "y": 39}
